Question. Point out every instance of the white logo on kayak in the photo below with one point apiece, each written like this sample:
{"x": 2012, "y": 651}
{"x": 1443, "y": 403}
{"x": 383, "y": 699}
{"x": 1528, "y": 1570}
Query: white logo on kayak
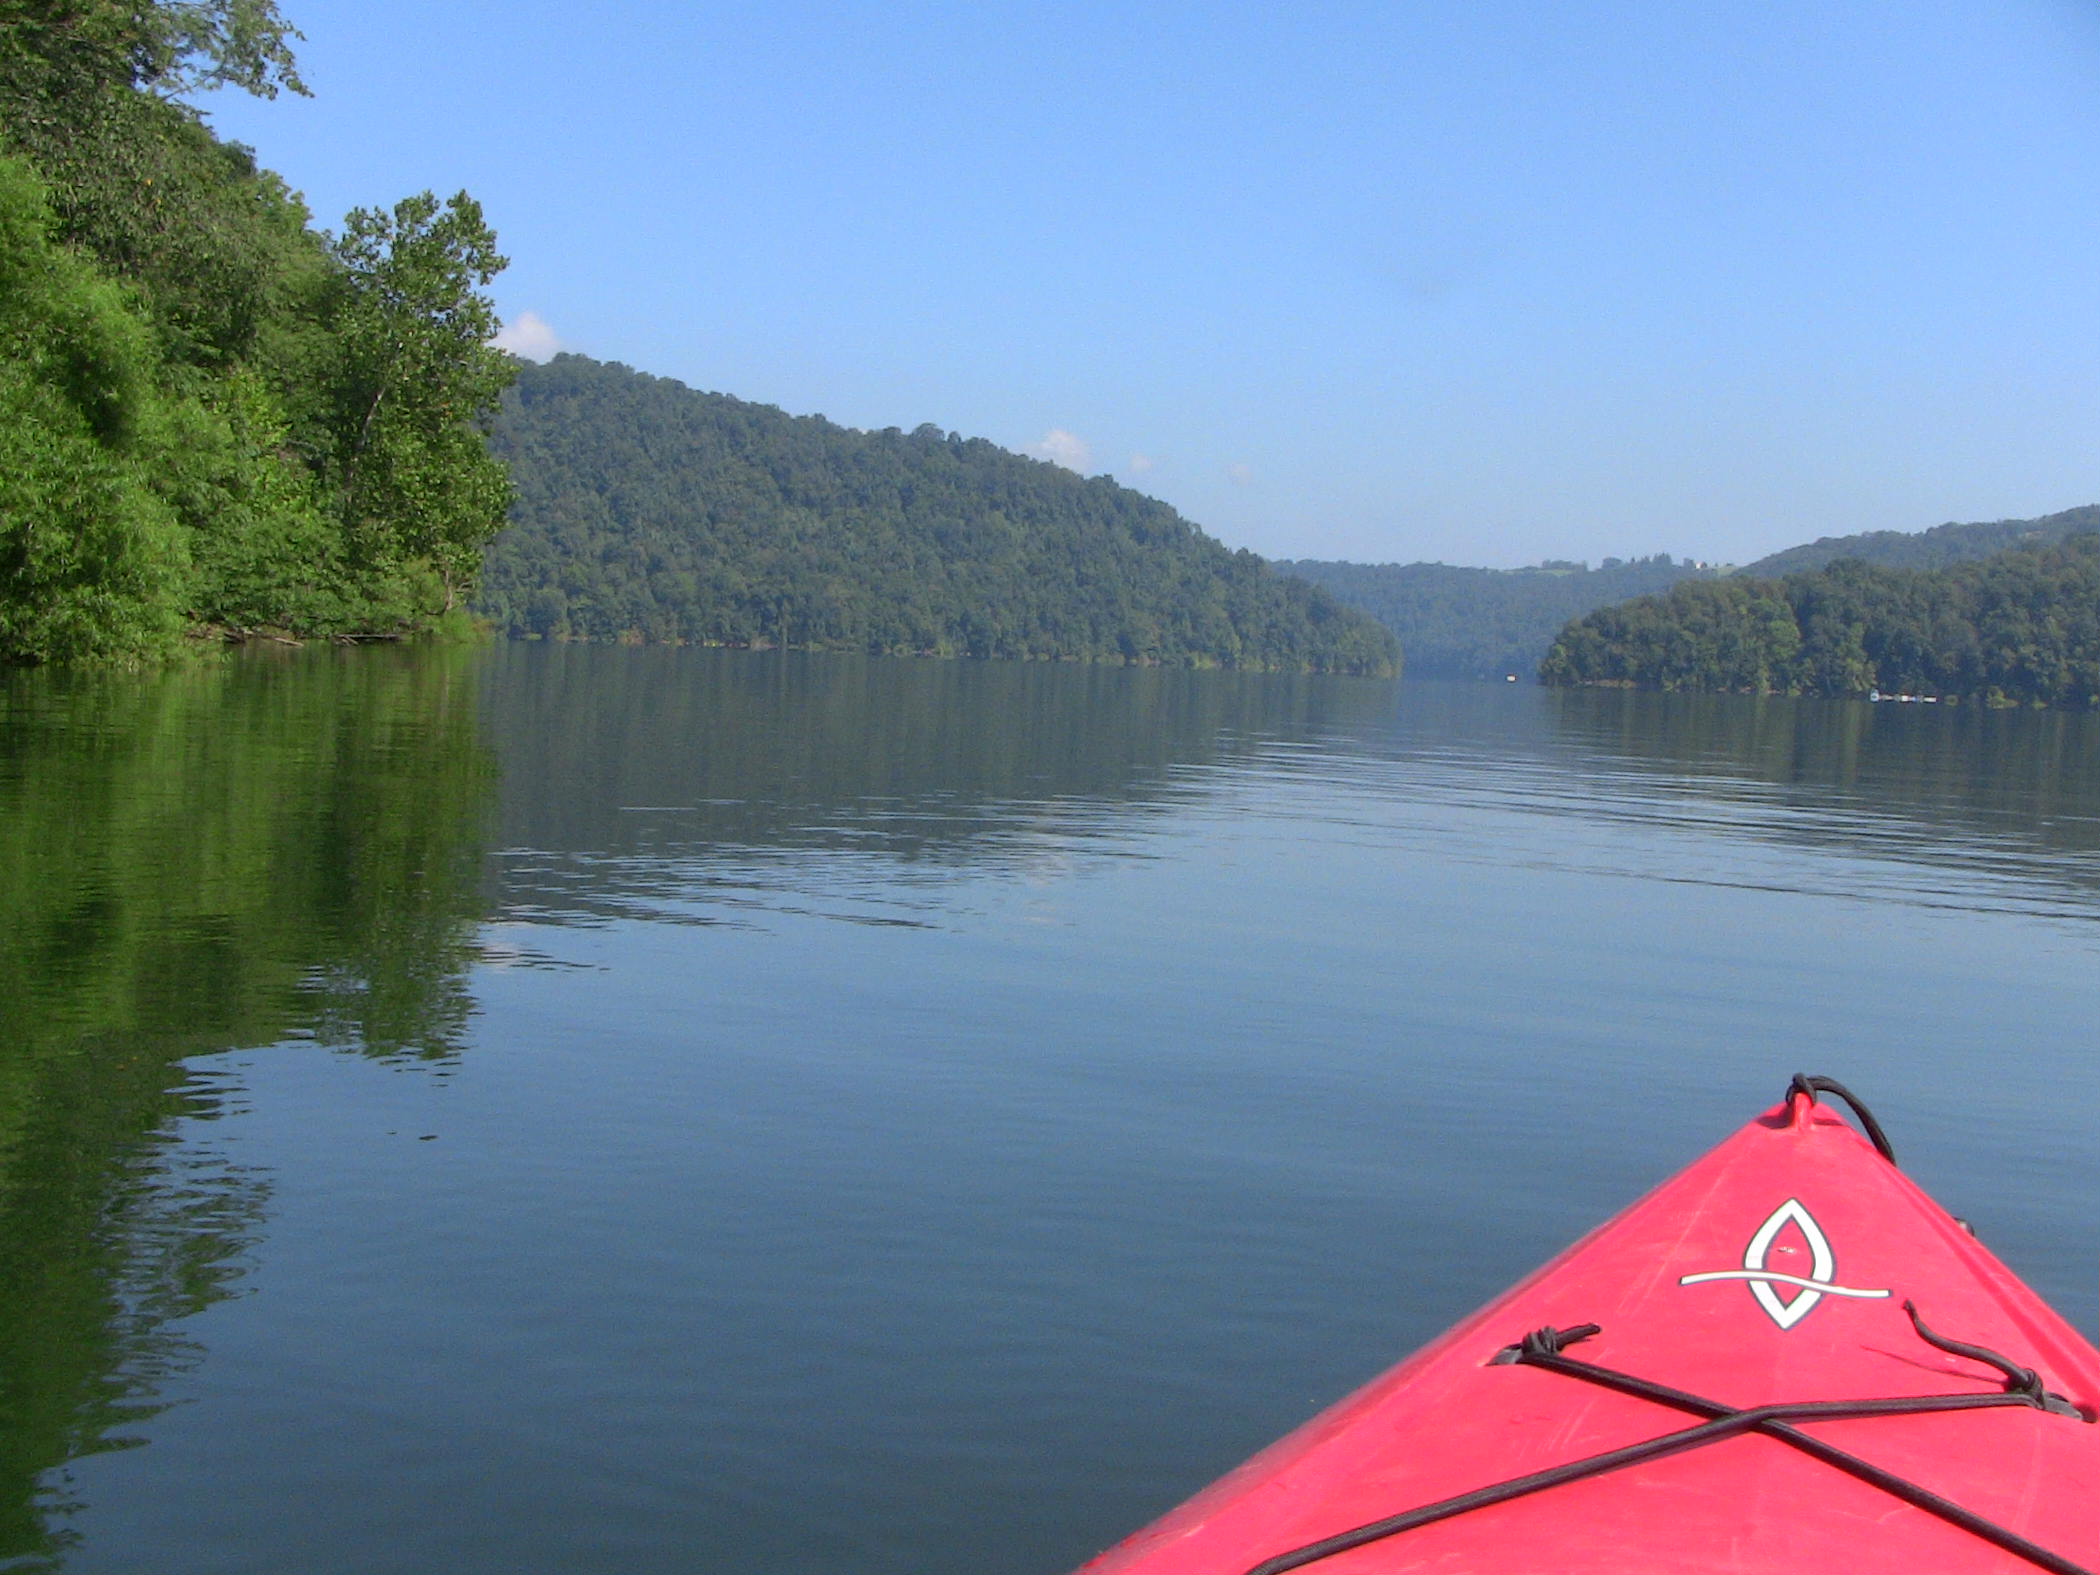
{"x": 1809, "y": 1289}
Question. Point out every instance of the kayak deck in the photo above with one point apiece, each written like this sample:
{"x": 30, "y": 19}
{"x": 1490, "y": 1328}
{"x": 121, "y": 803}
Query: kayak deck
{"x": 1774, "y": 1271}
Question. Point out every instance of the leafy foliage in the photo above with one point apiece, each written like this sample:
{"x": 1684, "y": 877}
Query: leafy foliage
{"x": 649, "y": 512}
{"x": 189, "y": 371}
{"x": 2023, "y": 626}
{"x": 414, "y": 376}
{"x": 1484, "y": 623}
{"x": 173, "y": 47}
{"x": 88, "y": 549}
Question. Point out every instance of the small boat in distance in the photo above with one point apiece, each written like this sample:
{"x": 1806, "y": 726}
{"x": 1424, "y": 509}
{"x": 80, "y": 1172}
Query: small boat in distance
{"x": 1787, "y": 1357}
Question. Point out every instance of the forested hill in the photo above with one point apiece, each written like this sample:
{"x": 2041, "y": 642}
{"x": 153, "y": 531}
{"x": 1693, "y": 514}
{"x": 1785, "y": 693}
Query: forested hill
{"x": 2021, "y": 627}
{"x": 1484, "y": 623}
{"x": 649, "y": 512}
{"x": 1928, "y": 549}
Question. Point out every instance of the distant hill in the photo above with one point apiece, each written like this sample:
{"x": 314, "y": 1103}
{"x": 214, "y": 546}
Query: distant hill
{"x": 1929, "y": 549}
{"x": 2019, "y": 627}
{"x": 1485, "y": 623}
{"x": 647, "y": 511}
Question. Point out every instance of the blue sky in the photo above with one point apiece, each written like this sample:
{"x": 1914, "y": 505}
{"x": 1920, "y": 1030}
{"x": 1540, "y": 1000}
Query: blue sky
{"x": 1478, "y": 281}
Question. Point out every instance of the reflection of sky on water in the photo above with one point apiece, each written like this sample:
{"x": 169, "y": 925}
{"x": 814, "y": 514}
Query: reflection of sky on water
{"x": 1987, "y": 812}
{"x": 1622, "y": 818}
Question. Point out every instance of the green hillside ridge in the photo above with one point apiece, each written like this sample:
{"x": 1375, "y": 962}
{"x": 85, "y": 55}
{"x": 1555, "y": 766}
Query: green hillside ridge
{"x": 1456, "y": 622}
{"x": 2019, "y": 627}
{"x": 1927, "y": 549}
{"x": 649, "y": 512}
{"x": 1485, "y": 623}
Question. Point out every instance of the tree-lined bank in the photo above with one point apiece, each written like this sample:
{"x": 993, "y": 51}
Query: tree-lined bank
{"x": 214, "y": 417}
{"x": 2022, "y": 627}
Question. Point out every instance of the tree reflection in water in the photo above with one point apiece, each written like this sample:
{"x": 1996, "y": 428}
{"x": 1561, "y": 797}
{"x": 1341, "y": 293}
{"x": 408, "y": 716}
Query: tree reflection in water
{"x": 238, "y": 854}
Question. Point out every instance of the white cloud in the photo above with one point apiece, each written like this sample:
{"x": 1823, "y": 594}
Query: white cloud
{"x": 1064, "y": 448}
{"x": 1240, "y": 475}
{"x": 1140, "y": 463}
{"x": 529, "y": 335}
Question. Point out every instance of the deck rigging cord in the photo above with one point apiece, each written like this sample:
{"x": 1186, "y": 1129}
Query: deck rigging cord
{"x": 1544, "y": 1348}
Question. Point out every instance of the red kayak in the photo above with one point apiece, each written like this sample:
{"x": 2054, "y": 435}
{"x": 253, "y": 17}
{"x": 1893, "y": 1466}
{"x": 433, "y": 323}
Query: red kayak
{"x": 1785, "y": 1358}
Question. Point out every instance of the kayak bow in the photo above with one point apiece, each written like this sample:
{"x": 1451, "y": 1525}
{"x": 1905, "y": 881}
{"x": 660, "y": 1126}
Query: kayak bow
{"x": 1785, "y": 1358}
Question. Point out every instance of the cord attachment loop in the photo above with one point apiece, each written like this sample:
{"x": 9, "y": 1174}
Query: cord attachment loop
{"x": 2022, "y": 1381}
{"x": 1814, "y": 1086}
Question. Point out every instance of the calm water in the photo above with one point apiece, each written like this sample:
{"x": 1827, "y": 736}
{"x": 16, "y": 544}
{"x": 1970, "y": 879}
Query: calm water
{"x": 635, "y": 1110}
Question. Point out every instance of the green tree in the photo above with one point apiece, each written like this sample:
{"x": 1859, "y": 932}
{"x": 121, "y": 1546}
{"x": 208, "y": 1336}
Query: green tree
{"x": 210, "y": 414}
{"x": 92, "y": 559}
{"x": 174, "y": 47}
{"x": 416, "y": 378}
{"x": 88, "y": 94}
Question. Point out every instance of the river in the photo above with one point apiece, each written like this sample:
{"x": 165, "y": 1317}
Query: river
{"x": 566, "y": 1109}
